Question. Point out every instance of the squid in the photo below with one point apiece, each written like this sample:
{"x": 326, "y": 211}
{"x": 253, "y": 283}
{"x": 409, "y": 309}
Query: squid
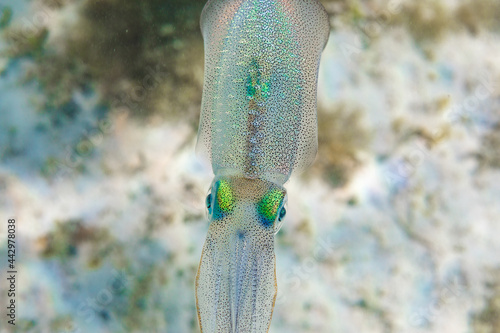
{"x": 258, "y": 124}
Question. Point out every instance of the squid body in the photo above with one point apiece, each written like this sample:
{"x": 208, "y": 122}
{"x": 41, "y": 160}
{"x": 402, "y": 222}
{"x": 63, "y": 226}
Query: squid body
{"x": 258, "y": 124}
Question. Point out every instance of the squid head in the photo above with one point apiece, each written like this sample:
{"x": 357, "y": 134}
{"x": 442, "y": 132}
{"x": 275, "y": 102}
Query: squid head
{"x": 236, "y": 281}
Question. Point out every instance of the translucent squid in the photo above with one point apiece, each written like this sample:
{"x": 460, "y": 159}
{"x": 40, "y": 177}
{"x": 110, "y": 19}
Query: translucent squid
{"x": 258, "y": 124}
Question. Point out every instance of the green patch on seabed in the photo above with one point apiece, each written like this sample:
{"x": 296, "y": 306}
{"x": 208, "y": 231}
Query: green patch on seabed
{"x": 489, "y": 154}
{"x": 425, "y": 20}
{"x": 137, "y": 54}
{"x": 342, "y": 136}
{"x": 488, "y": 319}
{"x": 5, "y": 16}
{"x": 63, "y": 243}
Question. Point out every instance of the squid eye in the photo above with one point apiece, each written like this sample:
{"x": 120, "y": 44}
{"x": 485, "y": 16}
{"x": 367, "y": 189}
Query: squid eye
{"x": 208, "y": 203}
{"x": 282, "y": 214}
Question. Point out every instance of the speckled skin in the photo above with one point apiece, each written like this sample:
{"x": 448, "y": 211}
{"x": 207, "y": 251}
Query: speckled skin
{"x": 258, "y": 124}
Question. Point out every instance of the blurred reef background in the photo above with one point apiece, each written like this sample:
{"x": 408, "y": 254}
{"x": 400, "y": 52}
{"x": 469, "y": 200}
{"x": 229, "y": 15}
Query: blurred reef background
{"x": 393, "y": 229}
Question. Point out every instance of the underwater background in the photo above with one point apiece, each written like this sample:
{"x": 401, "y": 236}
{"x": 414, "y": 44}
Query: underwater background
{"x": 395, "y": 227}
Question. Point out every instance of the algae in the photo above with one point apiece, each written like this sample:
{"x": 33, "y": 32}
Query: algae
{"x": 341, "y": 137}
{"x": 489, "y": 153}
{"x": 5, "y": 16}
{"x": 132, "y": 53}
{"x": 63, "y": 243}
{"x": 488, "y": 319}
{"x": 426, "y": 20}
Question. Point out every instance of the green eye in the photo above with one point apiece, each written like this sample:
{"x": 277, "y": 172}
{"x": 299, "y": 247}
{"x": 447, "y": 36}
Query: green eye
{"x": 225, "y": 197}
{"x": 269, "y": 205}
